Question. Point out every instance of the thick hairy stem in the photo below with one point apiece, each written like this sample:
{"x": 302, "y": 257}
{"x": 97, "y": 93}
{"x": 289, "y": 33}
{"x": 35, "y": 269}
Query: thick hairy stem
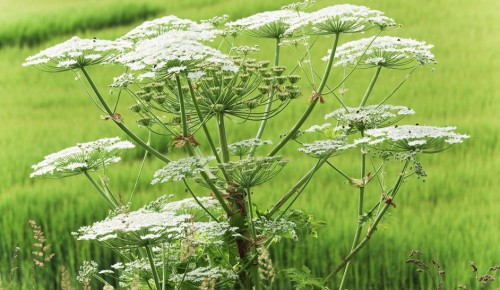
{"x": 254, "y": 266}
{"x": 313, "y": 102}
{"x": 120, "y": 124}
{"x": 221, "y": 128}
{"x": 359, "y": 227}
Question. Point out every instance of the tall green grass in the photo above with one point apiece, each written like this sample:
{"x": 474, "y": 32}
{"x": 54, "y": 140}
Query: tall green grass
{"x": 453, "y": 215}
{"x": 35, "y": 26}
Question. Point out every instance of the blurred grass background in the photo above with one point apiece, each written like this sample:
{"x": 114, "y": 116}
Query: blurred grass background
{"x": 453, "y": 216}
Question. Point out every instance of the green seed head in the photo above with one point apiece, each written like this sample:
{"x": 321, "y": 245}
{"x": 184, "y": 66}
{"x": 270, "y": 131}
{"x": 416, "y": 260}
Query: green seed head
{"x": 293, "y": 78}
{"x": 136, "y": 108}
{"x": 145, "y": 122}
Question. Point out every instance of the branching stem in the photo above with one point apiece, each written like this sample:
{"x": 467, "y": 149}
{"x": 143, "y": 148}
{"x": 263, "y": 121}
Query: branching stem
{"x": 120, "y": 124}
{"x": 313, "y": 102}
{"x": 371, "y": 229}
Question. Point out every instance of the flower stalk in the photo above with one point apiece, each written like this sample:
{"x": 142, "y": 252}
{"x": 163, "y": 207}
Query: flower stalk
{"x": 371, "y": 229}
{"x": 312, "y": 104}
{"x": 269, "y": 103}
{"x": 370, "y": 86}
{"x": 104, "y": 193}
{"x": 120, "y": 124}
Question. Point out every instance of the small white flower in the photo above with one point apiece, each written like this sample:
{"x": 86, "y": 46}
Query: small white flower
{"x": 245, "y": 49}
{"x": 88, "y": 156}
{"x": 318, "y": 128}
{"x": 386, "y": 51}
{"x": 86, "y": 271}
{"x": 196, "y": 75}
{"x": 118, "y": 265}
{"x": 122, "y": 81}
{"x": 150, "y": 236}
{"x": 76, "y": 53}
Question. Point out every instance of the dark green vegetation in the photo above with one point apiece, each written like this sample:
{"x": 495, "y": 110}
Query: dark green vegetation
{"x": 453, "y": 215}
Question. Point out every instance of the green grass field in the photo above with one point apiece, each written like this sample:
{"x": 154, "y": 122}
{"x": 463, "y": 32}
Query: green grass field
{"x": 453, "y": 217}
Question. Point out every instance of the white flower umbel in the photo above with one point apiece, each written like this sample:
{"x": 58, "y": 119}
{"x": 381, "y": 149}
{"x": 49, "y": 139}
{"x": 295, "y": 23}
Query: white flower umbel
{"x": 270, "y": 24}
{"x": 386, "y": 51}
{"x": 77, "y": 53}
{"x": 414, "y": 138}
{"x": 368, "y": 117}
{"x": 242, "y": 147}
{"x": 88, "y": 156}
{"x": 326, "y": 148}
{"x": 87, "y": 270}
{"x": 157, "y": 222}
{"x": 172, "y": 53}
{"x": 344, "y": 18}
{"x": 251, "y": 172}
{"x": 183, "y": 205}
{"x": 123, "y": 81}
{"x": 192, "y": 30}
{"x": 180, "y": 169}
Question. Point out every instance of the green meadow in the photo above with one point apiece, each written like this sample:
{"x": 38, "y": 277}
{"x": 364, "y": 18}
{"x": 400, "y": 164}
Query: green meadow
{"x": 453, "y": 217}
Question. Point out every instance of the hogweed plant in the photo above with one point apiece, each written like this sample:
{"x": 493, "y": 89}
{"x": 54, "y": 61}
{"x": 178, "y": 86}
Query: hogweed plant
{"x": 186, "y": 80}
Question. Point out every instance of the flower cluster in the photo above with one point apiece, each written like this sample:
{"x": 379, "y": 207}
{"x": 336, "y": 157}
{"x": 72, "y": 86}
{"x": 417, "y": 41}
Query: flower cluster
{"x": 76, "y": 53}
{"x": 83, "y": 157}
{"x": 251, "y": 172}
{"x": 270, "y": 24}
{"x": 326, "y": 148}
{"x": 180, "y": 169}
{"x": 344, "y": 18}
{"x": 414, "y": 137}
{"x": 242, "y": 147}
{"x": 386, "y": 51}
{"x": 87, "y": 271}
{"x": 155, "y": 223}
{"x": 172, "y": 52}
{"x": 192, "y": 30}
{"x": 368, "y": 117}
